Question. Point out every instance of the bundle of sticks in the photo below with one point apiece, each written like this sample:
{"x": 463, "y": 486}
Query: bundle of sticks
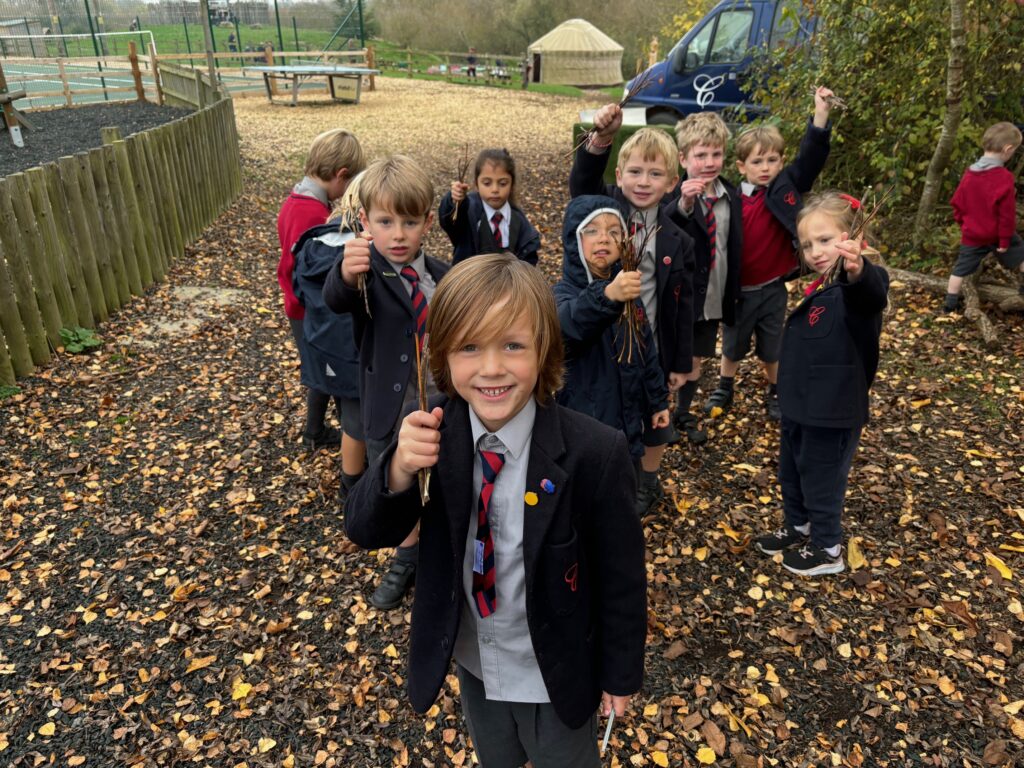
{"x": 640, "y": 84}
{"x": 862, "y": 218}
{"x": 633, "y": 247}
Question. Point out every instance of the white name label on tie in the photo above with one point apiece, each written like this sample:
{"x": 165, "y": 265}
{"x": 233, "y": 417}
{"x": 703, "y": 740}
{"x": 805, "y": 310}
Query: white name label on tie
{"x": 478, "y": 558}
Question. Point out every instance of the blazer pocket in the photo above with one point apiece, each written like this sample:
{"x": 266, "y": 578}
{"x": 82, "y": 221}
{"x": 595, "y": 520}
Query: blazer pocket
{"x": 817, "y": 321}
{"x": 564, "y": 579}
{"x": 831, "y": 391}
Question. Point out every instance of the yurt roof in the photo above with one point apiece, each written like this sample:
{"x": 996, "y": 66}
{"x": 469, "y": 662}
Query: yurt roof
{"x": 575, "y": 35}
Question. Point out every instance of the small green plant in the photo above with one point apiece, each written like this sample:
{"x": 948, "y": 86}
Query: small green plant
{"x": 6, "y": 390}
{"x": 78, "y": 340}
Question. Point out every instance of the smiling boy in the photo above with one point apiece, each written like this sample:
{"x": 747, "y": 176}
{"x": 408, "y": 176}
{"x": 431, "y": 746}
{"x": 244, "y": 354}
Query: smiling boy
{"x": 645, "y": 174}
{"x": 396, "y": 197}
{"x": 532, "y": 563}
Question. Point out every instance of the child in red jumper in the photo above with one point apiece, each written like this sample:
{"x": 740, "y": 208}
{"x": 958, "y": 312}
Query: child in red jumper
{"x": 985, "y": 207}
{"x": 334, "y": 159}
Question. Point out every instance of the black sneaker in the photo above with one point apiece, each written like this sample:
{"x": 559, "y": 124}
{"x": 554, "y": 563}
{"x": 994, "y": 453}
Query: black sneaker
{"x": 720, "y": 398}
{"x": 811, "y": 561}
{"x": 781, "y": 540}
{"x": 771, "y": 405}
{"x": 687, "y": 425}
{"x": 328, "y": 437}
{"x": 393, "y": 585}
{"x": 648, "y": 495}
{"x": 948, "y": 307}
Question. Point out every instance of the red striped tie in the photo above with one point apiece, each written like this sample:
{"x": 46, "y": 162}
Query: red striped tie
{"x": 709, "y": 217}
{"x": 419, "y": 301}
{"x": 496, "y": 221}
{"x": 484, "y": 592}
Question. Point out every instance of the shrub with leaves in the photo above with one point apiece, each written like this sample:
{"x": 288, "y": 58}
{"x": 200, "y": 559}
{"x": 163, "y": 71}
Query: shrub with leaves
{"x": 79, "y": 340}
{"x": 888, "y": 61}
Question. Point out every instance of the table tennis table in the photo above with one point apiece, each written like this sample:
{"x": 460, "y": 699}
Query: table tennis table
{"x": 345, "y": 83}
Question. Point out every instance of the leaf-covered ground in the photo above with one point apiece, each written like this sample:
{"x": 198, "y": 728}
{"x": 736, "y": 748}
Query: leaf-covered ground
{"x": 176, "y": 587}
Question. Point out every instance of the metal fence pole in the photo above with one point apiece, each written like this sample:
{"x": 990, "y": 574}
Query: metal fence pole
{"x": 295, "y": 30}
{"x": 280, "y": 37}
{"x": 96, "y": 48}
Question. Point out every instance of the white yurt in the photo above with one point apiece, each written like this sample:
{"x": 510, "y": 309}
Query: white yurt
{"x": 576, "y": 53}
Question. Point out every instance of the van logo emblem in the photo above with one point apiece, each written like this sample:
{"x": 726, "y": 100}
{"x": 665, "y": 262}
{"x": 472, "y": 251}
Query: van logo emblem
{"x": 705, "y": 87}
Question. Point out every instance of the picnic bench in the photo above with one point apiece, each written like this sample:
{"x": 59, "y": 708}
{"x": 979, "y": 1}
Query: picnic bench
{"x": 345, "y": 83}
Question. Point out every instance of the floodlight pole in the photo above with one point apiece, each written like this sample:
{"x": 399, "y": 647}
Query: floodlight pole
{"x": 204, "y": 9}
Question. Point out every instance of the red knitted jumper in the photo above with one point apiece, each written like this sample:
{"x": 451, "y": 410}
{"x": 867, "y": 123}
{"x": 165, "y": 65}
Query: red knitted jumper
{"x": 298, "y": 213}
{"x": 767, "y": 247}
{"x": 985, "y": 208}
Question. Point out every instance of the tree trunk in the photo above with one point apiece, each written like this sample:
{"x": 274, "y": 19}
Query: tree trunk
{"x": 951, "y": 122}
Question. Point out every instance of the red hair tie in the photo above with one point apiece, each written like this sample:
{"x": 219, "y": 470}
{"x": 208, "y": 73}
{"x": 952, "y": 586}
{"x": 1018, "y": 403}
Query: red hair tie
{"x": 855, "y": 204}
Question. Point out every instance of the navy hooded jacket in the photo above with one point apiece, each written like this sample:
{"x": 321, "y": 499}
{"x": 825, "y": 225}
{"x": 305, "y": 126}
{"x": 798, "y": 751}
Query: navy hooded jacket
{"x": 619, "y": 394}
{"x": 471, "y": 233}
{"x": 330, "y": 361}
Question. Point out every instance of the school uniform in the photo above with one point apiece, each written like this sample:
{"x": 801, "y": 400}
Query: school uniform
{"x": 386, "y": 339}
{"x": 672, "y": 264}
{"x": 828, "y": 363}
{"x": 569, "y": 563}
{"x": 606, "y": 378}
{"x": 307, "y": 206}
{"x": 472, "y": 231}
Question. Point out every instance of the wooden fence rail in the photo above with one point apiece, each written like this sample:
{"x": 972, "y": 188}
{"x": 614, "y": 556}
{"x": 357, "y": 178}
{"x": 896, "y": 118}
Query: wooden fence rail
{"x": 80, "y": 237}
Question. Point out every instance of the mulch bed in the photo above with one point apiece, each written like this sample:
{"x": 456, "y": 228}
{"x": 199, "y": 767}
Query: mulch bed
{"x": 176, "y": 587}
{"x": 61, "y": 132}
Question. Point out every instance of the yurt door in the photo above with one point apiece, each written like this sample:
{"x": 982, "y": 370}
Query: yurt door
{"x": 536, "y": 67}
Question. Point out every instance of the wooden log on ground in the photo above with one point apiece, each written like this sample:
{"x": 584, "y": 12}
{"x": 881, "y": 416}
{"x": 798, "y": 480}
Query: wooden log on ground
{"x": 119, "y": 199}
{"x": 85, "y": 254}
{"x": 38, "y": 264}
{"x": 974, "y": 312}
{"x": 45, "y": 221}
{"x": 16, "y": 255}
{"x": 140, "y": 267}
{"x": 111, "y": 226}
{"x": 20, "y": 356}
{"x": 1008, "y": 299}
{"x": 68, "y": 244}
{"x": 93, "y": 212}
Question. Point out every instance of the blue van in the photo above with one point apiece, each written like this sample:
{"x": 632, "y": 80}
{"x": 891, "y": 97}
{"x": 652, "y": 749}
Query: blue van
{"x": 705, "y": 71}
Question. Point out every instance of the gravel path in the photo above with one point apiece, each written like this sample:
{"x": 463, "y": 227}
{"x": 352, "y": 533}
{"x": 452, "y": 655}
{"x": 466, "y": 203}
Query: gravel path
{"x": 62, "y": 132}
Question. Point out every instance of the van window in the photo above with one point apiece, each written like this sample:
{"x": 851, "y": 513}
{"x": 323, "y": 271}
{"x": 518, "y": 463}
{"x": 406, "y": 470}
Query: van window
{"x": 697, "y": 50}
{"x": 732, "y": 36}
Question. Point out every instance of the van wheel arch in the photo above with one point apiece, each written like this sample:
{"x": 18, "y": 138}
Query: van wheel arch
{"x": 663, "y": 116}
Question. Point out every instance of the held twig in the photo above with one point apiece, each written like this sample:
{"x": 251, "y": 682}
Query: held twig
{"x": 860, "y": 224}
{"x": 607, "y": 731}
{"x": 421, "y": 383}
{"x": 640, "y": 84}
{"x": 463, "y": 169}
{"x": 361, "y": 281}
{"x": 833, "y": 101}
{"x": 633, "y": 247}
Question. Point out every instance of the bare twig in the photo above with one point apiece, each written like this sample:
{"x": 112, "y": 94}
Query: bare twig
{"x": 462, "y": 170}
{"x": 640, "y": 84}
{"x": 860, "y": 224}
{"x": 833, "y": 101}
{"x": 421, "y": 383}
{"x": 632, "y": 321}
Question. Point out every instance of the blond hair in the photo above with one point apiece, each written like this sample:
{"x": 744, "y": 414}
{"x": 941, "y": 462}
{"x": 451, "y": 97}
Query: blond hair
{"x": 652, "y": 144}
{"x": 346, "y": 207}
{"x": 701, "y": 128}
{"x": 1000, "y": 135}
{"x": 333, "y": 150}
{"x": 399, "y": 183}
{"x": 487, "y": 294}
{"x": 767, "y": 137}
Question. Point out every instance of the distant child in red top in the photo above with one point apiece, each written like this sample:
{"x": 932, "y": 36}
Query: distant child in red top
{"x": 985, "y": 207}
{"x": 335, "y": 158}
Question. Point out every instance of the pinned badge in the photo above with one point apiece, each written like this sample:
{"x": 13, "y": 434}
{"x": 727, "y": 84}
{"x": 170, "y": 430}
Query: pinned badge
{"x": 530, "y": 498}
{"x": 667, "y": 260}
{"x": 547, "y": 486}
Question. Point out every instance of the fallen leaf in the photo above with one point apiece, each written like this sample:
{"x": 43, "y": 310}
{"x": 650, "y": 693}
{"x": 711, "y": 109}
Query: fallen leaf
{"x": 200, "y": 662}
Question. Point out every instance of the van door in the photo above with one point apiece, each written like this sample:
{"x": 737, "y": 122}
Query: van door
{"x": 703, "y": 69}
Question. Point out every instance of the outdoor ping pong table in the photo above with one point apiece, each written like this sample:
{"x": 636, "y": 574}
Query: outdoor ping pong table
{"x": 345, "y": 83}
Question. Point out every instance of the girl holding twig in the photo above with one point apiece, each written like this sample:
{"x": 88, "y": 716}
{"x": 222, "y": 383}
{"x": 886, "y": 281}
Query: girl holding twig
{"x": 488, "y": 219}
{"x": 826, "y": 368}
{"x": 612, "y": 367}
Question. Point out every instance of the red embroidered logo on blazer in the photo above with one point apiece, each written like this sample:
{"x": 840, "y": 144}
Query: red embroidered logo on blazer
{"x": 570, "y": 576}
{"x": 814, "y": 315}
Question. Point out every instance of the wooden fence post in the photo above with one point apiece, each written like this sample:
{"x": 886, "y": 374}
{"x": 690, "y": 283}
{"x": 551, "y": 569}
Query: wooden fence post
{"x": 371, "y": 63}
{"x": 102, "y": 243}
{"x": 50, "y": 244}
{"x": 268, "y": 54}
{"x": 133, "y": 58}
{"x": 71, "y": 186}
{"x": 153, "y": 216}
{"x": 6, "y": 370}
{"x": 142, "y": 250}
{"x": 119, "y": 201}
{"x": 38, "y": 263}
{"x": 113, "y": 245}
{"x": 21, "y": 278}
{"x": 168, "y": 186}
{"x": 64, "y": 82}
{"x": 10, "y": 324}
{"x": 154, "y": 63}
{"x": 408, "y": 61}
{"x": 68, "y": 250}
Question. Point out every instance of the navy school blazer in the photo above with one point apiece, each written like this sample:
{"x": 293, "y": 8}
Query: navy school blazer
{"x": 830, "y": 352}
{"x": 674, "y": 261}
{"x": 386, "y": 340}
{"x": 471, "y": 233}
{"x": 583, "y": 551}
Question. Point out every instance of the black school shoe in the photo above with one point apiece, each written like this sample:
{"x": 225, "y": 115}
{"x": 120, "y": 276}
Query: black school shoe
{"x": 781, "y": 540}
{"x": 687, "y": 425}
{"x": 393, "y": 585}
{"x": 648, "y": 494}
{"x": 720, "y": 398}
{"x": 811, "y": 561}
{"x": 328, "y": 437}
